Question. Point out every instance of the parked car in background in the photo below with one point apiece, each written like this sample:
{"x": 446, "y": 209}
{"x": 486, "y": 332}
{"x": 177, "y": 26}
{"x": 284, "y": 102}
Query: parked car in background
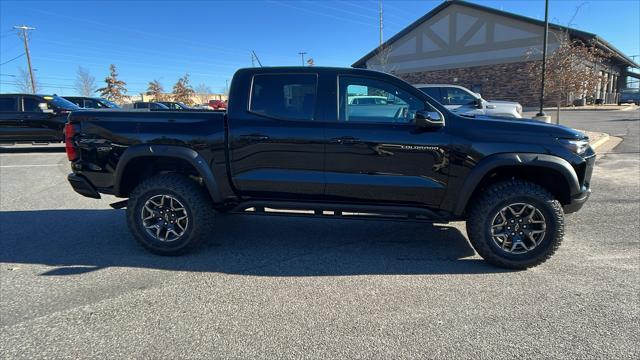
{"x": 629, "y": 96}
{"x": 218, "y": 104}
{"x": 149, "y": 105}
{"x": 202, "y": 107}
{"x": 464, "y": 101}
{"x": 291, "y": 140}
{"x": 33, "y": 118}
{"x": 368, "y": 100}
{"x": 174, "y": 105}
{"x": 92, "y": 102}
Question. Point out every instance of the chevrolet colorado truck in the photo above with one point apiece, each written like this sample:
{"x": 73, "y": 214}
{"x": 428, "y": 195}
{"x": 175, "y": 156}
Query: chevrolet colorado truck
{"x": 292, "y": 140}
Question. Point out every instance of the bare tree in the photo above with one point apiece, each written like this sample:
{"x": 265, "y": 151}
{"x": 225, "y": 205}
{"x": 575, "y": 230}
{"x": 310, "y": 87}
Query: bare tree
{"x": 85, "y": 83}
{"x": 23, "y": 82}
{"x": 155, "y": 90}
{"x": 202, "y": 93}
{"x": 572, "y": 70}
{"x": 382, "y": 56}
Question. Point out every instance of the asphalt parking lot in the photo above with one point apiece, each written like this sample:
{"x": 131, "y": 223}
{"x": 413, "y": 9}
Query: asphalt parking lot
{"x": 75, "y": 285}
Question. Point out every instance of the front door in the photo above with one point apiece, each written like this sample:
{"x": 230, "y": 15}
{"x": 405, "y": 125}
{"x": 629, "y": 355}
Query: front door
{"x": 376, "y": 154}
{"x": 277, "y": 144}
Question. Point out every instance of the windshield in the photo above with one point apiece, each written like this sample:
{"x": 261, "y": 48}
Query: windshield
{"x": 61, "y": 103}
{"x": 109, "y": 103}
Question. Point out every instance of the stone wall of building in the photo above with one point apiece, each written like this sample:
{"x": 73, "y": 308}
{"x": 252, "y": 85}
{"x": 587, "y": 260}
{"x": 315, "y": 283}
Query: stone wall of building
{"x": 494, "y": 82}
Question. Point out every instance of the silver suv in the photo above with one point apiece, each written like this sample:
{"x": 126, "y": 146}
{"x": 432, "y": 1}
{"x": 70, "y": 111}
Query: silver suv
{"x": 462, "y": 100}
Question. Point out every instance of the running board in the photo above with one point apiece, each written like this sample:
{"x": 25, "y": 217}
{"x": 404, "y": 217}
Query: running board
{"x": 338, "y": 210}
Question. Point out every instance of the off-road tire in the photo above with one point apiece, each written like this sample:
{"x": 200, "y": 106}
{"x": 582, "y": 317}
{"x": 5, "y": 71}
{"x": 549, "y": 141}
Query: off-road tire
{"x": 193, "y": 197}
{"x": 484, "y": 207}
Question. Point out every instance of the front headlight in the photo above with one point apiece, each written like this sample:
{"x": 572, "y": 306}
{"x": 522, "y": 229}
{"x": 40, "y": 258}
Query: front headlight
{"x": 575, "y": 146}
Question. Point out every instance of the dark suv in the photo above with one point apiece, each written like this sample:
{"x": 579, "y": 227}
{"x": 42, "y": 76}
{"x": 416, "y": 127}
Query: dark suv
{"x": 33, "y": 118}
{"x": 92, "y": 102}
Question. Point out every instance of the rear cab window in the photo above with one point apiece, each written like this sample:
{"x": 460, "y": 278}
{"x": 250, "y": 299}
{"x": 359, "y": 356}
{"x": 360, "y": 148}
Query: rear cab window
{"x": 8, "y": 104}
{"x": 284, "y": 96}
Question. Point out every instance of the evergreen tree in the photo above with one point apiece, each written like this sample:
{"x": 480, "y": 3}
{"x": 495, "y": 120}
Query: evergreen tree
{"x": 182, "y": 90}
{"x": 115, "y": 89}
{"x": 155, "y": 90}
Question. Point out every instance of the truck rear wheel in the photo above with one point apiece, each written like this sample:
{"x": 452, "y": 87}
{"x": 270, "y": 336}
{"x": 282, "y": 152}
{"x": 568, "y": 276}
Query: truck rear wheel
{"x": 515, "y": 224}
{"x": 169, "y": 214}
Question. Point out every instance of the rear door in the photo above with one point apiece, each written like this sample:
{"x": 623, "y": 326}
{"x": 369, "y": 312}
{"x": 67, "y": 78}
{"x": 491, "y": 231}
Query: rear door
{"x": 11, "y": 125}
{"x": 39, "y": 120}
{"x": 276, "y": 137}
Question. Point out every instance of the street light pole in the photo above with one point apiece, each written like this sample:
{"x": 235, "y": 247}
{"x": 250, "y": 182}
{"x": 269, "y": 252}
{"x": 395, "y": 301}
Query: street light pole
{"x": 544, "y": 56}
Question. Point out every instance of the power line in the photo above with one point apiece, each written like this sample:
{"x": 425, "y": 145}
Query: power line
{"x": 8, "y": 61}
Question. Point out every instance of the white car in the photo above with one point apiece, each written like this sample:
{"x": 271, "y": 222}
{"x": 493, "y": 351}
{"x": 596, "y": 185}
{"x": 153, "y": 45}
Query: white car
{"x": 462, "y": 100}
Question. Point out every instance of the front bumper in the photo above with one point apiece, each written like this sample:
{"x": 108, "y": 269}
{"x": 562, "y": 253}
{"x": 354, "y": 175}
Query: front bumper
{"x": 577, "y": 201}
{"x": 80, "y": 185}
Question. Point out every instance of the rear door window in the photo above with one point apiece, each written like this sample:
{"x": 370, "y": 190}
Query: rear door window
{"x": 284, "y": 96}
{"x": 8, "y": 104}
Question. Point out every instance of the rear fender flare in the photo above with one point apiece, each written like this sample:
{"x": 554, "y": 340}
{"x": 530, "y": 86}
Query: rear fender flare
{"x": 486, "y": 165}
{"x": 169, "y": 151}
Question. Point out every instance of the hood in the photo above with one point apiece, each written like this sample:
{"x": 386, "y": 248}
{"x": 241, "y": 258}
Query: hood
{"x": 502, "y": 102}
{"x": 532, "y": 126}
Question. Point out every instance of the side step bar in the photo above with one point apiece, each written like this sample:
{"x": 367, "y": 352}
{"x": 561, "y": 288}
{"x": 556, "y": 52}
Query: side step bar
{"x": 332, "y": 210}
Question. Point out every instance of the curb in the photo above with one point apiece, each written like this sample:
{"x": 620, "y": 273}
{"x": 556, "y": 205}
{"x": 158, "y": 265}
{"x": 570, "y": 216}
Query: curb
{"x": 601, "y": 141}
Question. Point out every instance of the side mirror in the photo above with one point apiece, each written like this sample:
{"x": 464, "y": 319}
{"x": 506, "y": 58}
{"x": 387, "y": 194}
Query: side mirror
{"x": 428, "y": 119}
{"x": 478, "y": 103}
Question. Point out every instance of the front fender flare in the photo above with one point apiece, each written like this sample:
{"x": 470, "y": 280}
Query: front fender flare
{"x": 169, "y": 151}
{"x": 514, "y": 159}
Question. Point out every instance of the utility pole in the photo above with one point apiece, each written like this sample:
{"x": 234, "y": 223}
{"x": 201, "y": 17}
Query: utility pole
{"x": 380, "y": 15}
{"x": 302, "y": 54}
{"x": 255, "y": 56}
{"x": 544, "y": 57}
{"x": 25, "y": 37}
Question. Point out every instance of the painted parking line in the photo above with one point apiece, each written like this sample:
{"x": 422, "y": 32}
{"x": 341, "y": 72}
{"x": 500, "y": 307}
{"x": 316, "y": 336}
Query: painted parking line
{"x": 24, "y": 166}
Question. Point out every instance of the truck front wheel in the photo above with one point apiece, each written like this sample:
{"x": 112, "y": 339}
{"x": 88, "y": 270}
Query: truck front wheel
{"x": 169, "y": 214}
{"x": 515, "y": 224}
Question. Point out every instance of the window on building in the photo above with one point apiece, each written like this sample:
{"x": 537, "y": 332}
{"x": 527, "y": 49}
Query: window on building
{"x": 284, "y": 96}
{"x": 369, "y": 100}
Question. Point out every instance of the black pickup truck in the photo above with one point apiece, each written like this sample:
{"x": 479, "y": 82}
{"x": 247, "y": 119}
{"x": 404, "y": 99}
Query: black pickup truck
{"x": 33, "y": 118}
{"x": 294, "y": 139}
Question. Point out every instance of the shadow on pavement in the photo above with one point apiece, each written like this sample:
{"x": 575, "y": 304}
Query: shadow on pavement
{"x": 81, "y": 241}
{"x": 31, "y": 149}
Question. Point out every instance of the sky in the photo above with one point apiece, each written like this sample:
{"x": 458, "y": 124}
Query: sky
{"x": 209, "y": 40}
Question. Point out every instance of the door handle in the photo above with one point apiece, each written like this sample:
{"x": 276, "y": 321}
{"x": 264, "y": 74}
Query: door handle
{"x": 345, "y": 140}
{"x": 255, "y": 137}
